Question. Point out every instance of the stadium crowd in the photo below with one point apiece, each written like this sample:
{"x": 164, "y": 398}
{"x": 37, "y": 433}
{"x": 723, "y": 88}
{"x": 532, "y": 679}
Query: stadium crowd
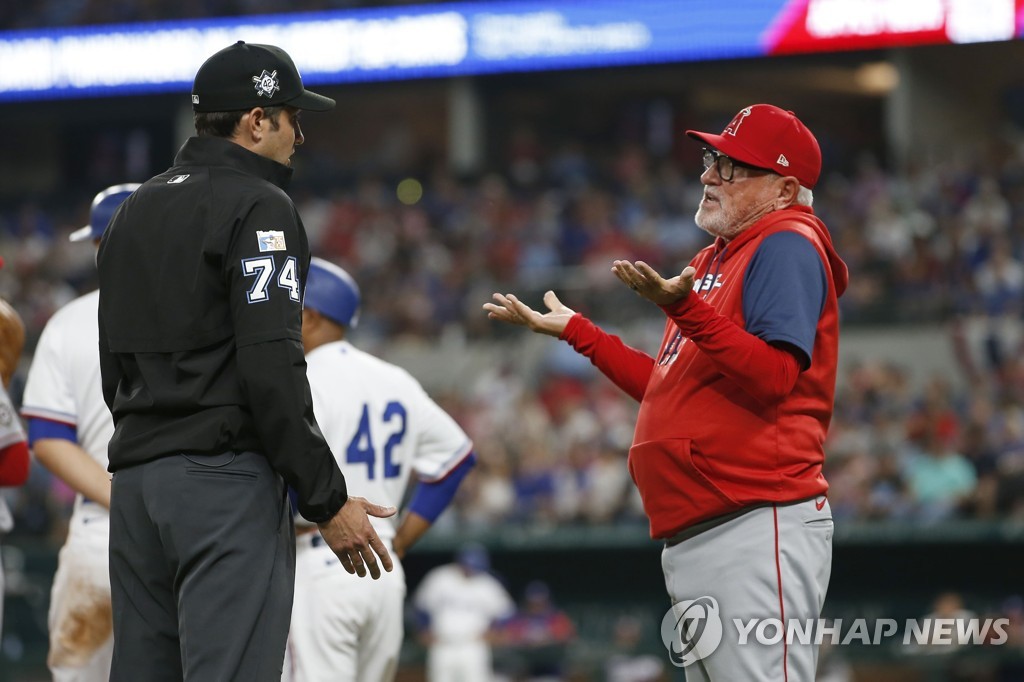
{"x": 939, "y": 243}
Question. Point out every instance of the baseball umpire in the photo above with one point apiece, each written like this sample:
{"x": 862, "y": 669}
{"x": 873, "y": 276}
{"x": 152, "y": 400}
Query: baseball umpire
{"x": 201, "y": 273}
{"x": 734, "y": 408}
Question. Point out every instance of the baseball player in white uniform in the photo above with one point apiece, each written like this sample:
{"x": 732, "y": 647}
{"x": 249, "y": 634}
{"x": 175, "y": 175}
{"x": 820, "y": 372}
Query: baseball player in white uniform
{"x": 13, "y": 469}
{"x": 69, "y": 428}
{"x": 383, "y": 427}
{"x": 459, "y": 606}
{"x": 14, "y": 459}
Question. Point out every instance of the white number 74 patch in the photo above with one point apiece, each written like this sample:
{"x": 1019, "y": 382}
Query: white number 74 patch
{"x": 262, "y": 269}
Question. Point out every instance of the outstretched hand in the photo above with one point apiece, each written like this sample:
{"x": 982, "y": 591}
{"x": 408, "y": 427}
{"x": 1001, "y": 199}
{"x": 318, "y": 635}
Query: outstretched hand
{"x": 641, "y": 278}
{"x": 510, "y": 309}
{"x": 352, "y": 537}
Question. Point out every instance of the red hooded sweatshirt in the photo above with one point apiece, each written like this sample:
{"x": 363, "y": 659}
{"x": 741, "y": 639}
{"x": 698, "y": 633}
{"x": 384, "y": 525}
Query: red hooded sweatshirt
{"x": 727, "y": 421}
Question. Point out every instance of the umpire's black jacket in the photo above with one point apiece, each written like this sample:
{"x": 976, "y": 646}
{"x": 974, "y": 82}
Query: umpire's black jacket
{"x": 201, "y": 273}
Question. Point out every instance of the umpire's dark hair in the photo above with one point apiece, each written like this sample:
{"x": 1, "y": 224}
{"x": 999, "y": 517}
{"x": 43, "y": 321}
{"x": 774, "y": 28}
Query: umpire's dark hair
{"x": 223, "y": 123}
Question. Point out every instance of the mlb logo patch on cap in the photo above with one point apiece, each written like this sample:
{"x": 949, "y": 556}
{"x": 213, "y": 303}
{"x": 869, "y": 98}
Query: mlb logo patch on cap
{"x": 270, "y": 240}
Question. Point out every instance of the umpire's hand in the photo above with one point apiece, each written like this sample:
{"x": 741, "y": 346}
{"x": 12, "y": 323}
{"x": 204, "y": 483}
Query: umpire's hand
{"x": 352, "y": 537}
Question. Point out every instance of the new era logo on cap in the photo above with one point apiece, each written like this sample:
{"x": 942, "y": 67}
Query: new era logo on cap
{"x": 768, "y": 137}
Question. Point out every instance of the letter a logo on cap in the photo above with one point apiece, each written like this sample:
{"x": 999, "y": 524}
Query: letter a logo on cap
{"x": 266, "y": 84}
{"x": 734, "y": 127}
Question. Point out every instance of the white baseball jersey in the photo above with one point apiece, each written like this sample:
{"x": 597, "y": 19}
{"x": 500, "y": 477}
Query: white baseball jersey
{"x": 10, "y": 433}
{"x": 381, "y": 425}
{"x": 64, "y": 386}
{"x": 461, "y": 607}
{"x": 64, "y": 380}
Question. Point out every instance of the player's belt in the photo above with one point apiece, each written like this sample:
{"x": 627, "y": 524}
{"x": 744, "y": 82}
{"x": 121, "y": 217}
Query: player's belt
{"x": 704, "y": 526}
{"x": 698, "y": 528}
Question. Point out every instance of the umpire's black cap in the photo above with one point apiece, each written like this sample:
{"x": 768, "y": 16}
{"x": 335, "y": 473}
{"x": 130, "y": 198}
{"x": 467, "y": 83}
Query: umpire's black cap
{"x": 247, "y": 75}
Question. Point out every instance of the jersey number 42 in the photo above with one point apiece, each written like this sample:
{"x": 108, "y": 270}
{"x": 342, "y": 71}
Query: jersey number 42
{"x": 361, "y": 449}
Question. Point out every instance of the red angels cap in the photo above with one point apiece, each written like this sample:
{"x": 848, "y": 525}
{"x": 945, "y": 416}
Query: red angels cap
{"x": 766, "y": 136}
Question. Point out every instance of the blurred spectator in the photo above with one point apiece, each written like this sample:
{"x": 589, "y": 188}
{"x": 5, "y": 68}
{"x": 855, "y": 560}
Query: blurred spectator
{"x": 948, "y": 606}
{"x": 940, "y": 479}
{"x": 607, "y": 487}
{"x": 1011, "y": 666}
{"x": 538, "y": 636}
{"x": 626, "y": 661}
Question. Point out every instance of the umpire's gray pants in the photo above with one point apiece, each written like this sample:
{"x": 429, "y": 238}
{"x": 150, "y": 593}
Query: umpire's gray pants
{"x": 771, "y": 564}
{"x": 202, "y": 569}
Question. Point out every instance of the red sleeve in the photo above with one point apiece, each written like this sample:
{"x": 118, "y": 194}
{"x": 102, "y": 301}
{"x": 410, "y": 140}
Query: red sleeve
{"x": 765, "y": 372}
{"x": 627, "y": 367}
{"x": 14, "y": 464}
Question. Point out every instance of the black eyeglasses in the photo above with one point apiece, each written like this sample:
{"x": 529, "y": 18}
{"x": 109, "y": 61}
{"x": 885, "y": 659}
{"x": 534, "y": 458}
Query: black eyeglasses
{"x": 726, "y": 165}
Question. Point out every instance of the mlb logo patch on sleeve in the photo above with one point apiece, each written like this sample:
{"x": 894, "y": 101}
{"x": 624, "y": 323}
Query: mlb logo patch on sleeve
{"x": 270, "y": 240}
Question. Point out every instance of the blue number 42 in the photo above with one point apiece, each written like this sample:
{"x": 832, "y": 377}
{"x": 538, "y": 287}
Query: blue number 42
{"x": 361, "y": 450}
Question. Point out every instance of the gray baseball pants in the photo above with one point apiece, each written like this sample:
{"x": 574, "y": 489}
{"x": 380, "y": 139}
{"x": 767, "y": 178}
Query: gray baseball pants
{"x": 770, "y": 565}
{"x": 202, "y": 569}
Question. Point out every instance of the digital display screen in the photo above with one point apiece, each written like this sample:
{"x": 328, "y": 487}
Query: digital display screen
{"x": 443, "y": 40}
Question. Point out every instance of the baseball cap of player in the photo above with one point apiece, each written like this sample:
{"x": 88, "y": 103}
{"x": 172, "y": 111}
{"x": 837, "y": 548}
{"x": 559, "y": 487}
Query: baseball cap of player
{"x": 332, "y": 292}
{"x": 474, "y": 557}
{"x": 537, "y": 591}
{"x": 247, "y": 75}
{"x": 768, "y": 137}
{"x": 103, "y": 206}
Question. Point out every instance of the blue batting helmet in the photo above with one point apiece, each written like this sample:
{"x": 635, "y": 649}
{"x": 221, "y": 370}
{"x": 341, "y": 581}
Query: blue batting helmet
{"x": 474, "y": 557}
{"x": 103, "y": 207}
{"x": 332, "y": 292}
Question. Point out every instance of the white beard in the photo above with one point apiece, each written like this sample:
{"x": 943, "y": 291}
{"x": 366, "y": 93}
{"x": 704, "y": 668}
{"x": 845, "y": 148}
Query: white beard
{"x": 717, "y": 221}
{"x": 727, "y": 223}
